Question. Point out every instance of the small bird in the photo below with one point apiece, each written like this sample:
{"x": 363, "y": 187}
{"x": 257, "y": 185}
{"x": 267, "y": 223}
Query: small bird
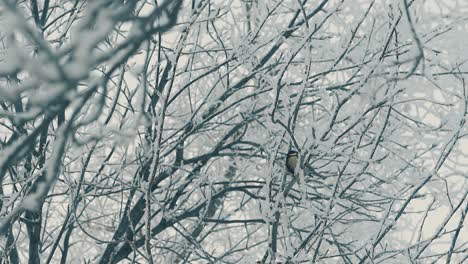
{"x": 292, "y": 161}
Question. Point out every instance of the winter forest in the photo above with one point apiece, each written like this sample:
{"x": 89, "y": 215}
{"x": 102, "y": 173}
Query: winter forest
{"x": 158, "y": 131}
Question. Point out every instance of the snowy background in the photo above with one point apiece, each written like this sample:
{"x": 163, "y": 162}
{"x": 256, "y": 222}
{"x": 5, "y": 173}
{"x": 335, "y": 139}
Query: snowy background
{"x": 157, "y": 131}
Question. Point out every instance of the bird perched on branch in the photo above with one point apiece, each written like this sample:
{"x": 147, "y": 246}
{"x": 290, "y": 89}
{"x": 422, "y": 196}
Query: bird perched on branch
{"x": 292, "y": 164}
{"x": 292, "y": 160}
